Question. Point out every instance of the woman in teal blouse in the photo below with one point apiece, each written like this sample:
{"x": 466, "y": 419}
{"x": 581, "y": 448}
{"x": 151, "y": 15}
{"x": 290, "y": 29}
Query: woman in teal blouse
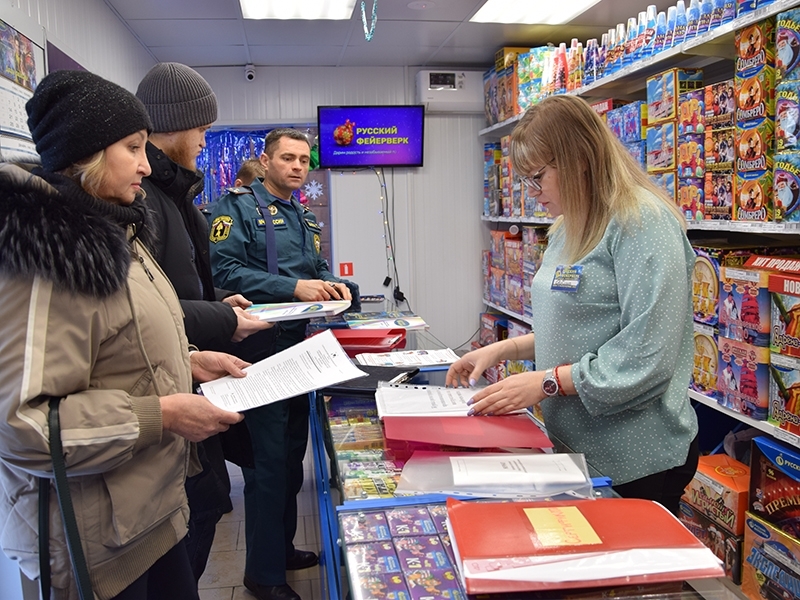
{"x": 612, "y": 309}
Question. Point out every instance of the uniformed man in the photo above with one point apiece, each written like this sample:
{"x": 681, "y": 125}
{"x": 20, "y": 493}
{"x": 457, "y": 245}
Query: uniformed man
{"x": 266, "y": 246}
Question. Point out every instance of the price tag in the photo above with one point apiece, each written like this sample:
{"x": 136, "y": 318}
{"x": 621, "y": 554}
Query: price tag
{"x": 786, "y": 436}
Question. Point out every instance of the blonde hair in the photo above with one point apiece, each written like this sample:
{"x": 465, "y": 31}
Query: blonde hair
{"x": 250, "y": 170}
{"x": 597, "y": 178}
{"x": 90, "y": 173}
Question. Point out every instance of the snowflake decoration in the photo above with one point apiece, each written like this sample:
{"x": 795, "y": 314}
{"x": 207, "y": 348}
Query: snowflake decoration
{"x": 313, "y": 189}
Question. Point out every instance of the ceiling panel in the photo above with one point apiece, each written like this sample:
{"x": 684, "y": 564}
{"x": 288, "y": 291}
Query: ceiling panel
{"x": 387, "y": 56}
{"x": 405, "y": 34}
{"x": 297, "y": 33}
{"x": 176, "y": 9}
{"x": 442, "y": 10}
{"x": 186, "y": 32}
{"x": 202, "y": 56}
{"x": 295, "y": 56}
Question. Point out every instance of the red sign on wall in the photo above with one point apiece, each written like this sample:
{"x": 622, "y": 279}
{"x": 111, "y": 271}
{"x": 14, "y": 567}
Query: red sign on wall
{"x": 345, "y": 269}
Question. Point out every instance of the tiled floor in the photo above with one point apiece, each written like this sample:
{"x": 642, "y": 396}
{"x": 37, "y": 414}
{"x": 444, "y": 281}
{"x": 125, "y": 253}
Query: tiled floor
{"x": 222, "y": 579}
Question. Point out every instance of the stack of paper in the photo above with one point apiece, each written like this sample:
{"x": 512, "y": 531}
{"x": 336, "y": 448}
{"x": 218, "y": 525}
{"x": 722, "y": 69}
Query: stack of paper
{"x": 385, "y": 320}
{"x": 289, "y": 311}
{"x": 528, "y": 546}
{"x": 423, "y": 400}
{"x": 410, "y": 358}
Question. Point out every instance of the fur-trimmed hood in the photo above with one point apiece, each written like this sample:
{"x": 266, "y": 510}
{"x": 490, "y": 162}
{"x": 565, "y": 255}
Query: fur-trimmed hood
{"x": 51, "y": 228}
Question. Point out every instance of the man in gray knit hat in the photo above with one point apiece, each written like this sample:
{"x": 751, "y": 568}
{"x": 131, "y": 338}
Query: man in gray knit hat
{"x": 182, "y": 106}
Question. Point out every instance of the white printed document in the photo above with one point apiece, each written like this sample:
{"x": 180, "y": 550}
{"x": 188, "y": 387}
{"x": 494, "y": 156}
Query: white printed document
{"x": 408, "y": 358}
{"x": 396, "y": 400}
{"x": 315, "y": 363}
{"x": 538, "y": 470}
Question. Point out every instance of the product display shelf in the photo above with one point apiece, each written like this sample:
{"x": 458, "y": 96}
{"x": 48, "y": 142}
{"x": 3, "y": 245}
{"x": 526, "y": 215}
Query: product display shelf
{"x": 522, "y": 220}
{"x": 705, "y": 51}
{"x": 745, "y": 227}
{"x": 510, "y": 313}
{"x": 764, "y": 426}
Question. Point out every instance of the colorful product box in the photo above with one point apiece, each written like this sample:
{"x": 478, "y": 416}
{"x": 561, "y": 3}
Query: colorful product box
{"x": 527, "y": 305}
{"x": 667, "y": 181}
{"x": 494, "y": 328}
{"x": 513, "y": 250}
{"x": 373, "y": 557}
{"x": 427, "y": 584}
{"x": 785, "y": 329}
{"x": 498, "y": 248}
{"x": 755, "y": 48}
{"x": 692, "y": 112}
{"x": 412, "y": 520}
{"x": 745, "y": 6}
{"x": 421, "y": 552}
{"x": 784, "y": 393}
{"x": 663, "y": 91}
{"x": 534, "y": 243}
{"x": 719, "y": 491}
{"x": 753, "y": 196}
{"x": 744, "y": 310}
{"x": 719, "y": 195}
{"x": 775, "y": 484}
{"x": 364, "y": 527}
{"x": 787, "y": 116}
{"x": 614, "y": 122}
{"x": 497, "y": 287}
{"x": 706, "y": 355}
{"x": 603, "y": 106}
{"x": 770, "y": 562}
{"x": 726, "y": 546}
{"x": 720, "y": 148}
{"x": 691, "y": 198}
{"x": 706, "y": 278}
{"x": 514, "y": 293}
{"x": 743, "y": 378}
{"x": 634, "y": 121}
{"x": 661, "y": 144}
{"x": 786, "y": 187}
{"x": 720, "y": 104}
{"x": 754, "y": 146}
{"x": 386, "y": 586}
{"x": 755, "y": 96}
{"x": 787, "y": 45}
{"x": 516, "y": 330}
{"x": 691, "y": 155}
{"x": 638, "y": 151}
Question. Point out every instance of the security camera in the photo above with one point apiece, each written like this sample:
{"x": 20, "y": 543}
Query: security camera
{"x": 249, "y": 72}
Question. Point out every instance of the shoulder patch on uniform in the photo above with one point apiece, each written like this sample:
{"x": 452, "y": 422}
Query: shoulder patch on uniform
{"x": 305, "y": 208}
{"x": 240, "y": 190}
{"x": 220, "y": 228}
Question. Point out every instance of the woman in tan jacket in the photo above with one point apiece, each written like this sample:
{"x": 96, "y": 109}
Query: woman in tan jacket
{"x": 87, "y": 315}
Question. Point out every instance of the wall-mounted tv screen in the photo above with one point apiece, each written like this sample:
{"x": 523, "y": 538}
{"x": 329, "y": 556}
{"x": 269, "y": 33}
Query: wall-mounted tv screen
{"x": 370, "y": 136}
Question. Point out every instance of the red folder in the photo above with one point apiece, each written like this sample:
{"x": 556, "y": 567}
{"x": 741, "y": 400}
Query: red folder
{"x": 511, "y": 431}
{"x": 573, "y": 544}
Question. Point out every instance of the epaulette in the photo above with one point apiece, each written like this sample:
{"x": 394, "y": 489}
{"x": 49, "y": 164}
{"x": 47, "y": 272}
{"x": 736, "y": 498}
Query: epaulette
{"x": 239, "y": 190}
{"x": 305, "y": 208}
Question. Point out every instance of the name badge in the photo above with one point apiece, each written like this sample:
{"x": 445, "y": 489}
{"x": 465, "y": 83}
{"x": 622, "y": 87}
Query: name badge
{"x": 567, "y": 278}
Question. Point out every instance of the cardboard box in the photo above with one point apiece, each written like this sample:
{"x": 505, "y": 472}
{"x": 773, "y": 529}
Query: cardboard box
{"x": 785, "y": 313}
{"x": 753, "y": 196}
{"x": 726, "y": 546}
{"x": 634, "y": 122}
{"x": 775, "y": 484}
{"x": 691, "y": 198}
{"x": 720, "y": 193}
{"x": 720, "y": 152}
{"x": 755, "y": 48}
{"x": 744, "y": 312}
{"x": 754, "y": 146}
{"x": 719, "y": 491}
{"x": 720, "y": 104}
{"x": 667, "y": 181}
{"x": 507, "y": 56}
{"x": 706, "y": 356}
{"x": 784, "y": 393}
{"x": 494, "y": 328}
{"x": 770, "y": 562}
{"x": 663, "y": 90}
{"x": 692, "y": 112}
{"x": 787, "y": 116}
{"x": 691, "y": 155}
{"x": 514, "y": 295}
{"x": 786, "y": 187}
{"x": 661, "y": 146}
{"x": 497, "y": 287}
{"x": 743, "y": 378}
{"x": 706, "y": 277}
{"x": 513, "y": 250}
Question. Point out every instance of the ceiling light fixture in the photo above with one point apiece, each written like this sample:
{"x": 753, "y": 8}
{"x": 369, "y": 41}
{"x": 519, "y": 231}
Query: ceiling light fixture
{"x": 310, "y": 10}
{"x": 531, "y": 13}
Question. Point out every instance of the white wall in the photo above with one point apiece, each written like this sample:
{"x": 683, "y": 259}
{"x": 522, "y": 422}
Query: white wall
{"x": 438, "y": 236}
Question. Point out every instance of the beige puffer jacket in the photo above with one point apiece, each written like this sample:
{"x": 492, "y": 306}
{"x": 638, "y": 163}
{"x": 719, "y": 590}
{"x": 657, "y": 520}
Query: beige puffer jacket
{"x": 87, "y": 315}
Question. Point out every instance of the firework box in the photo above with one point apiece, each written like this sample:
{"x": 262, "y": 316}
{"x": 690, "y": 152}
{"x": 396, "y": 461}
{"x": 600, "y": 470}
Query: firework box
{"x": 744, "y": 311}
{"x": 515, "y": 330}
{"x": 719, "y": 490}
{"x": 787, "y": 116}
{"x": 785, "y": 326}
{"x": 634, "y": 121}
{"x": 706, "y": 277}
{"x": 692, "y": 112}
{"x": 786, "y": 187}
{"x": 494, "y": 328}
{"x": 720, "y": 104}
{"x": 784, "y": 393}
{"x": 667, "y": 181}
{"x": 720, "y": 148}
{"x": 775, "y": 485}
{"x": 755, "y": 48}
{"x": 754, "y": 146}
{"x": 787, "y": 45}
{"x": 770, "y": 562}
{"x": 719, "y": 195}
{"x": 638, "y": 151}
{"x": 755, "y": 96}
{"x": 691, "y": 198}
{"x": 753, "y": 196}
{"x": 726, "y": 546}
{"x": 691, "y": 155}
{"x": 513, "y": 250}
{"x": 661, "y": 145}
{"x": 514, "y": 293}
{"x": 663, "y": 90}
{"x": 706, "y": 355}
{"x": 614, "y": 122}
{"x": 497, "y": 287}
{"x": 743, "y": 378}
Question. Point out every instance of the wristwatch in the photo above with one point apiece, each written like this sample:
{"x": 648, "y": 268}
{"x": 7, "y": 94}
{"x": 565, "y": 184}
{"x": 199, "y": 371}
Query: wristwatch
{"x": 550, "y": 385}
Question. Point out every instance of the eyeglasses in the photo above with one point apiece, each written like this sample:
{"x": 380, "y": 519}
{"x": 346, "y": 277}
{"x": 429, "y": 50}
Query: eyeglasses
{"x": 533, "y": 180}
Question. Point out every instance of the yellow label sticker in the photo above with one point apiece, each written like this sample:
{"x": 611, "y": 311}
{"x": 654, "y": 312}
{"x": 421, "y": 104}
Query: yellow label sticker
{"x": 278, "y": 221}
{"x": 220, "y": 229}
{"x": 561, "y": 526}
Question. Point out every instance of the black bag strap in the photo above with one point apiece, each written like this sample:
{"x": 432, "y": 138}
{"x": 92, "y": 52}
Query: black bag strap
{"x": 79, "y": 565}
